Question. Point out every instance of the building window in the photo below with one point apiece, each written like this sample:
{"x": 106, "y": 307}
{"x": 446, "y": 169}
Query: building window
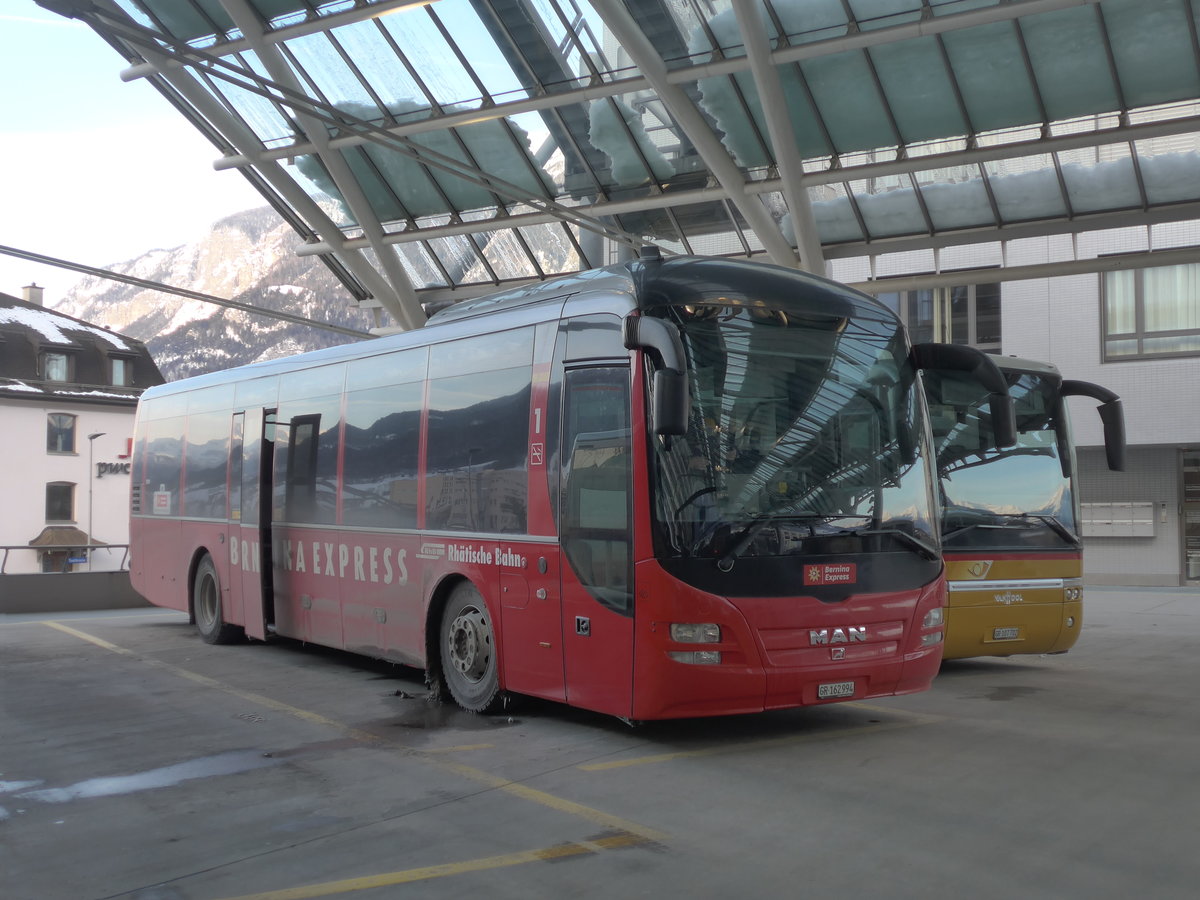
{"x": 56, "y": 366}
{"x": 60, "y": 433}
{"x": 1152, "y": 312}
{"x": 122, "y": 371}
{"x": 60, "y": 501}
{"x": 967, "y": 314}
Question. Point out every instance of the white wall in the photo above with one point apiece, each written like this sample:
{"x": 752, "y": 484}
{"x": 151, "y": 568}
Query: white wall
{"x": 27, "y": 468}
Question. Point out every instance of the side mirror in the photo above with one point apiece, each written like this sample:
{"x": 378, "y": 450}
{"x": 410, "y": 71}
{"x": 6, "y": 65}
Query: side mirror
{"x": 1112, "y": 415}
{"x": 670, "y": 402}
{"x": 960, "y": 358}
{"x": 669, "y": 389}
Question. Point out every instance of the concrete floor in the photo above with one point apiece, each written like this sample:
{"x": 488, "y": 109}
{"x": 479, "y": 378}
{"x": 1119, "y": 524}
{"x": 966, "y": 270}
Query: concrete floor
{"x": 136, "y": 761}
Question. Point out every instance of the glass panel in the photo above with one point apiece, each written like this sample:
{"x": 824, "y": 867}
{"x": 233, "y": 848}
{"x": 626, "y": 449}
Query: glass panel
{"x": 1171, "y": 298}
{"x": 258, "y": 113}
{"x": 955, "y": 197}
{"x": 164, "y": 452}
{"x": 836, "y": 222}
{"x": 1119, "y": 298}
{"x": 334, "y": 80}
{"x": 1169, "y": 169}
{"x": 1191, "y": 512}
{"x": 429, "y": 54}
{"x": 379, "y": 482}
{"x": 1026, "y": 188}
{"x": 60, "y": 433}
{"x": 1121, "y": 348}
{"x": 848, "y": 102}
{"x": 922, "y": 316}
{"x": 960, "y": 315}
{"x": 56, "y": 367}
{"x": 60, "y": 502}
{"x": 1174, "y": 344}
{"x": 987, "y": 314}
{"x": 889, "y": 206}
{"x": 476, "y": 479}
{"x": 1152, "y": 30}
{"x": 921, "y": 96}
{"x": 988, "y": 67}
{"x": 122, "y": 372}
{"x": 1014, "y": 497}
{"x": 1066, "y": 49}
{"x": 1100, "y": 178}
{"x": 206, "y": 464}
{"x": 595, "y": 526}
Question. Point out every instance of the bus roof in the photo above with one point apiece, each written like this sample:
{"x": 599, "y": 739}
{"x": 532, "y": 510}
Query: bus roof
{"x": 645, "y": 283}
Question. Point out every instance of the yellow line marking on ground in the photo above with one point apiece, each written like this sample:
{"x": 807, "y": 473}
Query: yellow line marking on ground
{"x": 911, "y": 720}
{"x": 408, "y": 876}
{"x": 470, "y": 773}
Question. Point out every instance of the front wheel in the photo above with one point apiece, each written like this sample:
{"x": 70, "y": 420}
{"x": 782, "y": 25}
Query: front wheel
{"x": 468, "y": 650}
{"x": 206, "y": 606}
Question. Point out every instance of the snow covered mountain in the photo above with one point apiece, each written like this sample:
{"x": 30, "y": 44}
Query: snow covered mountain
{"x": 249, "y": 257}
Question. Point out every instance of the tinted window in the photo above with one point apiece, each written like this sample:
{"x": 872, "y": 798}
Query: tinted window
{"x": 476, "y": 468}
{"x": 307, "y": 450}
{"x": 60, "y": 433}
{"x": 379, "y": 479}
{"x": 207, "y": 459}
{"x": 164, "y": 446}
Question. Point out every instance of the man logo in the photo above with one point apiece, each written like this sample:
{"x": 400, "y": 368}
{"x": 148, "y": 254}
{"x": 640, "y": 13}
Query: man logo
{"x": 851, "y": 634}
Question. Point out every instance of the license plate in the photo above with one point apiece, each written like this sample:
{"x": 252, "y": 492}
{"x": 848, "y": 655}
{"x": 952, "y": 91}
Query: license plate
{"x": 1005, "y": 634}
{"x": 834, "y": 689}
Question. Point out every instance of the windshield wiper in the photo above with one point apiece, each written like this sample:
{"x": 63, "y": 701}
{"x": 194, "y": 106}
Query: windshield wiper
{"x": 924, "y": 548}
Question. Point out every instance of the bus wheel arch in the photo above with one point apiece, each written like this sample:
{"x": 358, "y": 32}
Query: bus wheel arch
{"x": 204, "y": 602}
{"x": 462, "y": 647}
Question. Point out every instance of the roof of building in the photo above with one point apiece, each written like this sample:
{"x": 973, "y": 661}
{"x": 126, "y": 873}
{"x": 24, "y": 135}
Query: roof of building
{"x": 29, "y": 331}
{"x": 433, "y": 151}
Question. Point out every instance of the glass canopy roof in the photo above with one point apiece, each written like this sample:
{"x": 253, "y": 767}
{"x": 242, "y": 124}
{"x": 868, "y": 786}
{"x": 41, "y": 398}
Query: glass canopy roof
{"x": 434, "y": 149}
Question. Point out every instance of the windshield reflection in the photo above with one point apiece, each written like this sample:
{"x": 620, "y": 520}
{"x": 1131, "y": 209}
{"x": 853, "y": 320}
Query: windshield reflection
{"x": 1018, "y": 497}
{"x": 806, "y": 436}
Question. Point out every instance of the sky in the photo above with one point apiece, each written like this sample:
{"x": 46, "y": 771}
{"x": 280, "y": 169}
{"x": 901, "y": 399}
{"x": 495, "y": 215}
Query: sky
{"x": 93, "y": 169}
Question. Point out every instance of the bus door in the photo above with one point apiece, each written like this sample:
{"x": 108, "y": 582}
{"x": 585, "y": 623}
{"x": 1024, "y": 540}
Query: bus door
{"x": 596, "y": 535}
{"x": 252, "y": 451}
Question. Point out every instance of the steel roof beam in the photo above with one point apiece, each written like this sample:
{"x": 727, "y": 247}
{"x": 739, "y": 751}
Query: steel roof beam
{"x": 407, "y": 309}
{"x": 907, "y": 166}
{"x": 779, "y": 128}
{"x": 1142, "y": 260}
{"x": 676, "y": 76}
{"x": 687, "y": 116}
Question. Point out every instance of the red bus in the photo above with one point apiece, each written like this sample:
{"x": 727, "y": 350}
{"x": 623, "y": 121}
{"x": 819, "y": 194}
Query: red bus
{"x": 667, "y": 488}
{"x": 1010, "y": 524}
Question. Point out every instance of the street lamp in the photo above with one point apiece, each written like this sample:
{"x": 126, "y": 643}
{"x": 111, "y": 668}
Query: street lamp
{"x": 91, "y": 480}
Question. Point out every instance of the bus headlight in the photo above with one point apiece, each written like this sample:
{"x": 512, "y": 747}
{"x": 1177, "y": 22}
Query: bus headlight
{"x": 697, "y": 657}
{"x": 695, "y": 633}
{"x": 934, "y": 618}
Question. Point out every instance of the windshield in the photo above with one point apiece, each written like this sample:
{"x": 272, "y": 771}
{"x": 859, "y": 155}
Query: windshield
{"x": 1015, "y": 498}
{"x": 806, "y": 436}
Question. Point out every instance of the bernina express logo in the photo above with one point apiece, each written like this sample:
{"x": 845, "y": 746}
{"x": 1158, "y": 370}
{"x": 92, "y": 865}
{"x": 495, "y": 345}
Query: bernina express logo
{"x": 851, "y": 634}
{"x": 830, "y": 573}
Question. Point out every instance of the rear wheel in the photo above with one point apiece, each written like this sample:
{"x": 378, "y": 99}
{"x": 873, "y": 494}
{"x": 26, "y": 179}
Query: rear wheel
{"x": 206, "y": 606}
{"x": 470, "y": 666}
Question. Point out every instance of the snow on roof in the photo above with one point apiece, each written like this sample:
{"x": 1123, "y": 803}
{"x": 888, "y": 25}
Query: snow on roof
{"x": 52, "y": 326}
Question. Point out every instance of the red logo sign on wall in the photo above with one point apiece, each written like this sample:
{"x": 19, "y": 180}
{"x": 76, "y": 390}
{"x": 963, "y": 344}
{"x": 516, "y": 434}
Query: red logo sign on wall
{"x": 830, "y": 573}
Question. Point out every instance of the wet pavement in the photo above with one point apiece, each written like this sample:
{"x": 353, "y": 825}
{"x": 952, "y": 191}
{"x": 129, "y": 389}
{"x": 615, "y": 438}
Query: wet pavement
{"x": 138, "y": 762}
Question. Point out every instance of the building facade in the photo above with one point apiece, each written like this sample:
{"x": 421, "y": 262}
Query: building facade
{"x": 68, "y": 394}
{"x": 1134, "y": 330}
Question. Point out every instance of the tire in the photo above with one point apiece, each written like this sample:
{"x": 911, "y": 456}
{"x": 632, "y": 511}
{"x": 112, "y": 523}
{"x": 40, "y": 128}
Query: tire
{"x": 469, "y": 662}
{"x": 206, "y": 606}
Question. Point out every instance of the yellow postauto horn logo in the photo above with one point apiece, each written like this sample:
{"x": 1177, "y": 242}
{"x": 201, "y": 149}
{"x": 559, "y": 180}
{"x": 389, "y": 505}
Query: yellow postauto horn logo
{"x": 979, "y": 568}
